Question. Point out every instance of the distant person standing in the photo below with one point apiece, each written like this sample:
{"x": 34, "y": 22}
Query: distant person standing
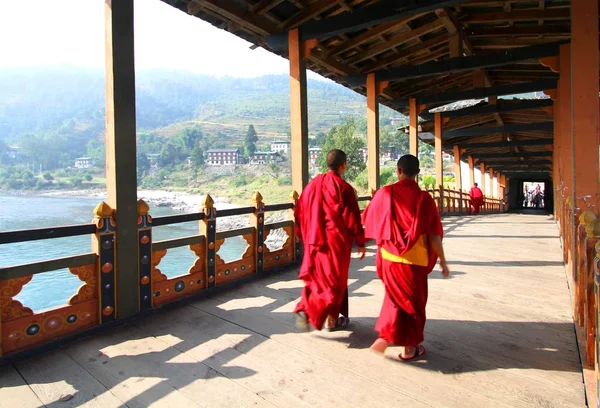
{"x": 476, "y": 198}
{"x": 406, "y": 225}
{"x": 328, "y": 223}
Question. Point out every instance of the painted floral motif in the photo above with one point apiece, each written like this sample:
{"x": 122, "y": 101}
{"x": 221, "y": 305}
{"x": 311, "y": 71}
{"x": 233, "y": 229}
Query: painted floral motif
{"x": 13, "y": 309}
{"x": 89, "y": 290}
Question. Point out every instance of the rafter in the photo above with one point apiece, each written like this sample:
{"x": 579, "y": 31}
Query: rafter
{"x": 520, "y": 15}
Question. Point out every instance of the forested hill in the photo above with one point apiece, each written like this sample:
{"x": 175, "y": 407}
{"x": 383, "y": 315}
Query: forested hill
{"x": 71, "y": 101}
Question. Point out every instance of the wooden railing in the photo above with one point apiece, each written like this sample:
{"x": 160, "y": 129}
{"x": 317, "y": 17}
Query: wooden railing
{"x": 95, "y": 304}
{"x": 459, "y": 202}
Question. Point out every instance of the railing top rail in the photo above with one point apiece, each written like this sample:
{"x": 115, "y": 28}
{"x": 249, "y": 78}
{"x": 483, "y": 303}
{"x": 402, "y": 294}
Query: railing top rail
{"x": 9, "y": 237}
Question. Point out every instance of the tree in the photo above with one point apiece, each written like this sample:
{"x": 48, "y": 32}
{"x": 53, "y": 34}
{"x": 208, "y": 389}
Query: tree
{"x": 190, "y": 138}
{"x": 343, "y": 137}
{"x": 143, "y": 166}
{"x": 197, "y": 156}
{"x": 170, "y": 154}
{"x": 250, "y": 142}
{"x": 47, "y": 176}
{"x": 319, "y": 140}
{"x": 393, "y": 141}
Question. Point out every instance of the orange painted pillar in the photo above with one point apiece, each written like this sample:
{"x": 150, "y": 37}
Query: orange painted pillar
{"x": 298, "y": 112}
{"x": 585, "y": 65}
{"x": 482, "y": 187}
{"x": 413, "y": 123}
{"x": 471, "y": 171}
{"x": 439, "y": 161}
{"x": 372, "y": 133}
{"x": 564, "y": 96}
{"x": 492, "y": 192}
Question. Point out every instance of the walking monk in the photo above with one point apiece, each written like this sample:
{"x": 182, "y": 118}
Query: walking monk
{"x": 476, "y": 198}
{"x": 405, "y": 223}
{"x": 328, "y": 222}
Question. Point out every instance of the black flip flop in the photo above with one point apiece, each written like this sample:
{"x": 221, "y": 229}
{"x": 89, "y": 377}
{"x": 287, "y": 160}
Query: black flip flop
{"x": 341, "y": 324}
{"x": 419, "y": 352}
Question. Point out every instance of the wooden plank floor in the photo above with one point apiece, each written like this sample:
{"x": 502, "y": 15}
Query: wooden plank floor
{"x": 499, "y": 334}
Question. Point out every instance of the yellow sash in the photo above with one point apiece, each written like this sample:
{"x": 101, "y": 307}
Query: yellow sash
{"x": 417, "y": 255}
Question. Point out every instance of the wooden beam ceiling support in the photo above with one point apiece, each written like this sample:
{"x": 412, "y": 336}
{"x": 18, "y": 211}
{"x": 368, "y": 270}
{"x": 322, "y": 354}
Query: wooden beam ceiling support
{"x": 368, "y": 36}
{"x": 514, "y": 143}
{"x": 534, "y": 31}
{"x": 379, "y": 13}
{"x": 519, "y": 15}
{"x": 480, "y": 93}
{"x": 504, "y": 163}
{"x": 395, "y": 40}
{"x": 490, "y": 109}
{"x": 396, "y": 59}
{"x": 483, "y": 156}
{"x": 308, "y": 14}
{"x": 263, "y": 6}
{"x": 239, "y": 14}
{"x": 459, "y": 64}
{"x": 493, "y": 130}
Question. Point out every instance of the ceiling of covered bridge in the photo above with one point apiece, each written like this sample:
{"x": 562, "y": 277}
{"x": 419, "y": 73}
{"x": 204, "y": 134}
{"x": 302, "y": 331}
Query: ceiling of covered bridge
{"x": 416, "y": 45}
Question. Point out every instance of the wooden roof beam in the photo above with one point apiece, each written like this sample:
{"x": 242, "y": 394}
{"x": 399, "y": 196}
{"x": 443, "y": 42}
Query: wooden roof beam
{"x": 458, "y": 64}
{"x": 504, "y": 162}
{"x": 492, "y": 145}
{"x": 534, "y": 31}
{"x": 480, "y": 93}
{"x": 308, "y": 14}
{"x": 238, "y": 14}
{"x": 406, "y": 54}
{"x": 263, "y": 6}
{"x": 379, "y": 13}
{"x": 504, "y": 155}
{"x": 492, "y": 130}
{"x": 396, "y": 40}
{"x": 519, "y": 15}
{"x": 487, "y": 109}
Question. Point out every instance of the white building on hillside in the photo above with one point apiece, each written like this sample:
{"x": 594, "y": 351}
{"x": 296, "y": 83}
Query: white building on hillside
{"x": 281, "y": 146}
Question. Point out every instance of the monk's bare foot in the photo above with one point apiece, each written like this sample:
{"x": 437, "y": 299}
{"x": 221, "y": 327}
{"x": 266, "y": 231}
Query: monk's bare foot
{"x": 379, "y": 346}
{"x": 302, "y": 321}
{"x": 330, "y": 322}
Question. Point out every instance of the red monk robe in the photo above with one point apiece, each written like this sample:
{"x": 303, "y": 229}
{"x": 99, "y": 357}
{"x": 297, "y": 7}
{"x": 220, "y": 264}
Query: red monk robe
{"x": 399, "y": 218}
{"x": 328, "y": 222}
{"x": 476, "y": 198}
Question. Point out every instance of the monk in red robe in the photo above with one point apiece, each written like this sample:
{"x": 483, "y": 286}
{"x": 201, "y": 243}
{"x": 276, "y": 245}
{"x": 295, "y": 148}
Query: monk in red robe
{"x": 406, "y": 226}
{"x": 476, "y": 198}
{"x": 328, "y": 223}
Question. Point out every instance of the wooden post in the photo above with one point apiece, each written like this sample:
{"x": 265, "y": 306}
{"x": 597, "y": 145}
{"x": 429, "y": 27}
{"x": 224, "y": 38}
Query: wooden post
{"x": 144, "y": 255}
{"x": 457, "y": 168}
{"x": 491, "y": 180}
{"x": 439, "y": 160}
{"x": 584, "y": 123}
{"x": 413, "y": 136}
{"x": 372, "y": 133}
{"x": 208, "y": 228}
{"x": 471, "y": 171}
{"x": 257, "y": 220}
{"x": 482, "y": 170}
{"x": 104, "y": 245}
{"x": 121, "y": 180}
{"x": 297, "y": 244}
{"x": 298, "y": 112}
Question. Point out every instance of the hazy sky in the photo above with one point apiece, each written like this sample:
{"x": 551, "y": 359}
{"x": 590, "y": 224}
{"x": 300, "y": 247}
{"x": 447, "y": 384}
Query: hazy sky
{"x": 71, "y": 32}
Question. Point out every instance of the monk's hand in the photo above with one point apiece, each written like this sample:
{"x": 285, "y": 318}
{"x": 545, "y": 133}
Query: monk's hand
{"x": 362, "y": 251}
{"x": 445, "y": 269}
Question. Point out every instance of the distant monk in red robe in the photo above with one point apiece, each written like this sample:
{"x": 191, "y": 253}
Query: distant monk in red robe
{"x": 405, "y": 223}
{"x": 476, "y": 198}
{"x": 328, "y": 223}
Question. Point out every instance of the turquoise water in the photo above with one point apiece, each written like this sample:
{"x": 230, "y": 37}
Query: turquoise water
{"x": 54, "y": 288}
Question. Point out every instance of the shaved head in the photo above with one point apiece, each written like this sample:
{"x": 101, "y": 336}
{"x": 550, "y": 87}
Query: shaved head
{"x": 408, "y": 165}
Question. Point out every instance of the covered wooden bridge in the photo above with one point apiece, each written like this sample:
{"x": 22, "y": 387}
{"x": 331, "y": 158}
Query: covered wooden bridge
{"x": 500, "y": 333}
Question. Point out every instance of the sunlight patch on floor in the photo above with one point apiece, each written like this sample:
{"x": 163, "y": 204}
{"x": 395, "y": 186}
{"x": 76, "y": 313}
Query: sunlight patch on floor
{"x": 246, "y": 303}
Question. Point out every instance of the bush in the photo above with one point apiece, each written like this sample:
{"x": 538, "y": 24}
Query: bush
{"x": 88, "y": 178}
{"x": 48, "y": 176}
{"x": 387, "y": 176}
{"x": 285, "y": 181}
{"x": 238, "y": 181}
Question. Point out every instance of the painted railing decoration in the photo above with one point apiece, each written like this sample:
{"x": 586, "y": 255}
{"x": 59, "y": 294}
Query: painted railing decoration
{"x": 96, "y": 303}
